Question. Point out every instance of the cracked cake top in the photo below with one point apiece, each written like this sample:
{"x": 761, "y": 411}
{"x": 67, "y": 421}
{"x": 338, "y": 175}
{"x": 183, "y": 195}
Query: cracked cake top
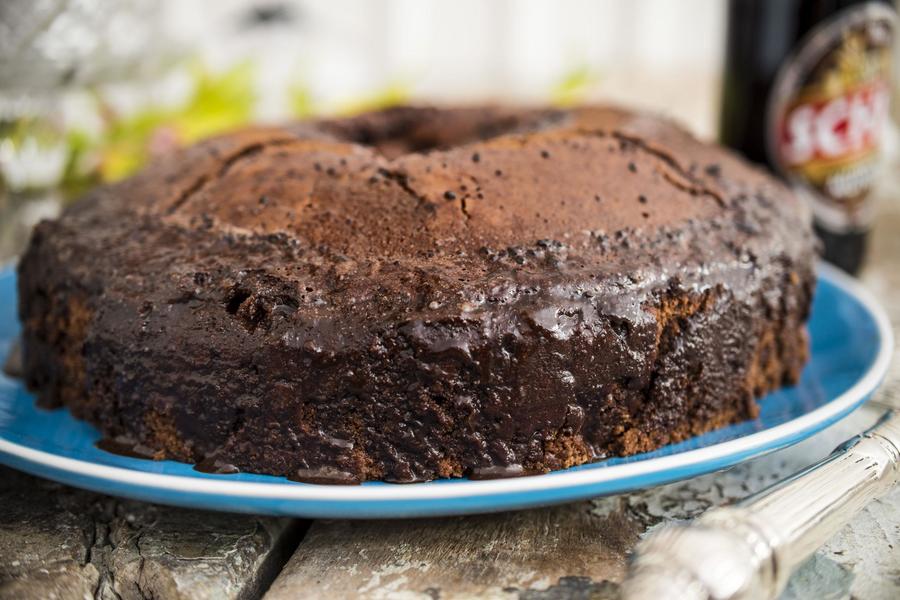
{"x": 422, "y": 292}
{"x": 400, "y": 214}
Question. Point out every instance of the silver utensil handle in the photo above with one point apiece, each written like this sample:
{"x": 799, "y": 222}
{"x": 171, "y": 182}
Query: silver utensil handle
{"x": 748, "y": 551}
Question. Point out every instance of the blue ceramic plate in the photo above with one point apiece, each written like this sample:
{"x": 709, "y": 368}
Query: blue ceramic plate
{"x": 851, "y": 347}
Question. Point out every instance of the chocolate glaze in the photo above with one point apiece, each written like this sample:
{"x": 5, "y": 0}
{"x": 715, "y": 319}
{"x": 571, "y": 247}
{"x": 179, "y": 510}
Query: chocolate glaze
{"x": 12, "y": 364}
{"x": 364, "y": 299}
{"x": 501, "y": 472}
{"x": 325, "y": 475}
{"x": 125, "y": 447}
{"x": 213, "y": 464}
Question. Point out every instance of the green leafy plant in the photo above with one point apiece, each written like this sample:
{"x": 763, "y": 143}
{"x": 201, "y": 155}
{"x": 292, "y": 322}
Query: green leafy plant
{"x": 574, "y": 86}
{"x": 218, "y": 103}
{"x": 303, "y": 105}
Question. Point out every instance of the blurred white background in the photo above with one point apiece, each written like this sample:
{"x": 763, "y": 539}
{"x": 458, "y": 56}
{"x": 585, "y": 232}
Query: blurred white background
{"x": 468, "y": 50}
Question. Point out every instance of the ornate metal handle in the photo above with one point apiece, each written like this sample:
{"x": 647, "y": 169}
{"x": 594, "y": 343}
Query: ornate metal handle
{"x": 748, "y": 551}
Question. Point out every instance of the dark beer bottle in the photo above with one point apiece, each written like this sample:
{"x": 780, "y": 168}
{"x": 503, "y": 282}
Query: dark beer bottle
{"x": 806, "y": 91}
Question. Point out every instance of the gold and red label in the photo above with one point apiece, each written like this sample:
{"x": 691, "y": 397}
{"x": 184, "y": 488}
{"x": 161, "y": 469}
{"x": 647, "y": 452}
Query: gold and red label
{"x": 829, "y": 111}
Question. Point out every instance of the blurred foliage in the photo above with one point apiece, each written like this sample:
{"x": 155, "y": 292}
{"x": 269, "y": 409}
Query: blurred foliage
{"x": 219, "y": 102}
{"x": 77, "y": 177}
{"x": 301, "y": 102}
{"x": 303, "y": 105}
{"x": 575, "y": 86}
{"x": 35, "y": 141}
{"x": 393, "y": 94}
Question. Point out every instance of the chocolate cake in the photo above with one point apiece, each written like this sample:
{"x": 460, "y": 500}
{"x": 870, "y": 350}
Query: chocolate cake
{"x": 420, "y": 293}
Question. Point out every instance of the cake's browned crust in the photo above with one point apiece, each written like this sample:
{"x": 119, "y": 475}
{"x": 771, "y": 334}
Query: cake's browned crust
{"x": 422, "y": 293}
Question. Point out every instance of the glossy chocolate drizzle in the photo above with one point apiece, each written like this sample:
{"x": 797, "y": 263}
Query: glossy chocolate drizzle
{"x": 125, "y": 447}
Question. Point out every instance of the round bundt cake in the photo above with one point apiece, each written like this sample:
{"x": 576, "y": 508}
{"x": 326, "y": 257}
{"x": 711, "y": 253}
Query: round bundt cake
{"x": 419, "y": 293}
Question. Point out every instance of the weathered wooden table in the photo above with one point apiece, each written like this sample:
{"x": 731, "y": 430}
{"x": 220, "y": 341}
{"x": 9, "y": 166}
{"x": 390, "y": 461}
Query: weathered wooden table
{"x": 58, "y": 542}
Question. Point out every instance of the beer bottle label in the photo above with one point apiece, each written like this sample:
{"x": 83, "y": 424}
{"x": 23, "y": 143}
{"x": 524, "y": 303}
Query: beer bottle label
{"x": 828, "y": 112}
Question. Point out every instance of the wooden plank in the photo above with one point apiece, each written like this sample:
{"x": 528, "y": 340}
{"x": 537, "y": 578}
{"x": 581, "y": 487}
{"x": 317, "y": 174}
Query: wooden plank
{"x": 496, "y": 554}
{"x": 59, "y": 542}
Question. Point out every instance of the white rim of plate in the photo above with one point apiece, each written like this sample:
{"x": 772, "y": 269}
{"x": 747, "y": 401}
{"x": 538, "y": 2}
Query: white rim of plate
{"x": 442, "y": 490}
